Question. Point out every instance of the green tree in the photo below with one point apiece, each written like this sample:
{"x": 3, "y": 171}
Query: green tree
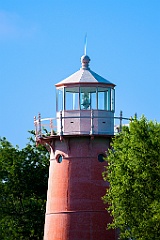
{"x": 134, "y": 175}
{"x": 23, "y": 189}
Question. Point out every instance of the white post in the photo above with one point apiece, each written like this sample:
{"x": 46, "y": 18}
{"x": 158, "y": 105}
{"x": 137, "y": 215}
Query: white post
{"x": 61, "y": 126}
{"x": 39, "y": 125}
{"x": 35, "y": 124}
{"x": 51, "y": 126}
{"x": 120, "y": 125}
{"x": 92, "y": 126}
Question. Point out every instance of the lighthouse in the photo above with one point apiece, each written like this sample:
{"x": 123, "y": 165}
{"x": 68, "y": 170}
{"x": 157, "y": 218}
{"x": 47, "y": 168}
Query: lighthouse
{"x": 85, "y": 106}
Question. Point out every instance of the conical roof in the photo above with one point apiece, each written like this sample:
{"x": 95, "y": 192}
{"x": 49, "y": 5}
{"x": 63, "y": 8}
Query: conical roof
{"x": 84, "y": 75}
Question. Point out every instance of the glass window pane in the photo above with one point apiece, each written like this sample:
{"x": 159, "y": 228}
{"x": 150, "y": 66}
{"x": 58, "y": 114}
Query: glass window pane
{"x": 93, "y": 100}
{"x": 60, "y": 99}
{"x": 104, "y": 98}
{"x": 101, "y": 96}
{"x": 112, "y": 99}
{"x": 88, "y": 98}
{"x": 75, "y": 101}
{"x": 85, "y": 98}
{"x": 69, "y": 100}
{"x": 72, "y": 98}
{"x": 108, "y": 99}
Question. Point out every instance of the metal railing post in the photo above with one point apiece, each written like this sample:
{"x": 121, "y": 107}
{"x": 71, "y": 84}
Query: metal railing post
{"x": 39, "y": 125}
{"x": 51, "y": 126}
{"x": 92, "y": 126}
{"x": 61, "y": 126}
{"x": 35, "y": 124}
{"x": 120, "y": 124}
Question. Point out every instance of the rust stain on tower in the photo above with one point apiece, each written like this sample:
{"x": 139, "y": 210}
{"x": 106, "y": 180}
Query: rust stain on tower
{"x": 85, "y": 105}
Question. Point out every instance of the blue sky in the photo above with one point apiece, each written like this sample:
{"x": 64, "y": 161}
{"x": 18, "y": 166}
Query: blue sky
{"x": 41, "y": 43}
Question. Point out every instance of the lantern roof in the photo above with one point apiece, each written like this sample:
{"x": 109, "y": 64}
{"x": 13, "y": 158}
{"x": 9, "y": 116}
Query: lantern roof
{"x": 84, "y": 75}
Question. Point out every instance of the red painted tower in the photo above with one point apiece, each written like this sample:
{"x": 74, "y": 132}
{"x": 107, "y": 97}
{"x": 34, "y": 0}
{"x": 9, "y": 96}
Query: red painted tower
{"x": 85, "y": 124}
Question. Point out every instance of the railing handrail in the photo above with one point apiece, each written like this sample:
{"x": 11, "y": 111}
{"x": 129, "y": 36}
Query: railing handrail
{"x": 64, "y": 117}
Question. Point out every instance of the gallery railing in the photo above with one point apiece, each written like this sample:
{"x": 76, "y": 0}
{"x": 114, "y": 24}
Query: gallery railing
{"x": 48, "y": 126}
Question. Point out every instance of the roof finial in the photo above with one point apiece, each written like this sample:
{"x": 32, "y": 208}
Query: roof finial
{"x": 85, "y": 62}
{"x": 85, "y": 45}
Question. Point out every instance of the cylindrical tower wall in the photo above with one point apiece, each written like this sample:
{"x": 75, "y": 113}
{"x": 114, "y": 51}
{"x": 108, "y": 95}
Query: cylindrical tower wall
{"x": 75, "y": 210}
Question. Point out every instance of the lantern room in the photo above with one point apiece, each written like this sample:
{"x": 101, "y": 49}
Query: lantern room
{"x": 85, "y": 103}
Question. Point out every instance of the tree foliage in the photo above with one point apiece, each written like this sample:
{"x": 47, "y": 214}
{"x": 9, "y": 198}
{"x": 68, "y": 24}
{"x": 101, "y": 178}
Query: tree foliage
{"x": 23, "y": 189}
{"x": 134, "y": 175}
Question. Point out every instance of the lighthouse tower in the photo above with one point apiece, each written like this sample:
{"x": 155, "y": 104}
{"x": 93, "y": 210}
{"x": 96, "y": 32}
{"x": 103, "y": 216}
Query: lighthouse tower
{"x": 85, "y": 105}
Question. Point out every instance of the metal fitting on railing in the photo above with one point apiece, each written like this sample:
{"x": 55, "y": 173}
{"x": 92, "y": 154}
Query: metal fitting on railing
{"x": 61, "y": 126}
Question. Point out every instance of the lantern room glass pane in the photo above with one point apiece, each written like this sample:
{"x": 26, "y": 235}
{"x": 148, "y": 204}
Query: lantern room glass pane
{"x": 93, "y": 93}
{"x": 108, "y": 99}
{"x": 59, "y": 106}
{"x": 101, "y": 97}
{"x": 88, "y": 98}
{"x": 85, "y": 98}
{"x": 104, "y": 98}
{"x": 72, "y": 98}
{"x": 112, "y": 100}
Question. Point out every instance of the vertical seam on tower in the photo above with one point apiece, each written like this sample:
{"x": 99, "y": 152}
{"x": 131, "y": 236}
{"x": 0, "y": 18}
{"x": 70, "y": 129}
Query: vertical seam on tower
{"x": 68, "y": 185}
{"x": 68, "y": 195}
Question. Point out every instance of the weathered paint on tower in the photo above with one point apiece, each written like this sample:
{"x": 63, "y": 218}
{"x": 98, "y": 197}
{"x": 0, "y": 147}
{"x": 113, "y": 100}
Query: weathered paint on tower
{"x": 85, "y": 125}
